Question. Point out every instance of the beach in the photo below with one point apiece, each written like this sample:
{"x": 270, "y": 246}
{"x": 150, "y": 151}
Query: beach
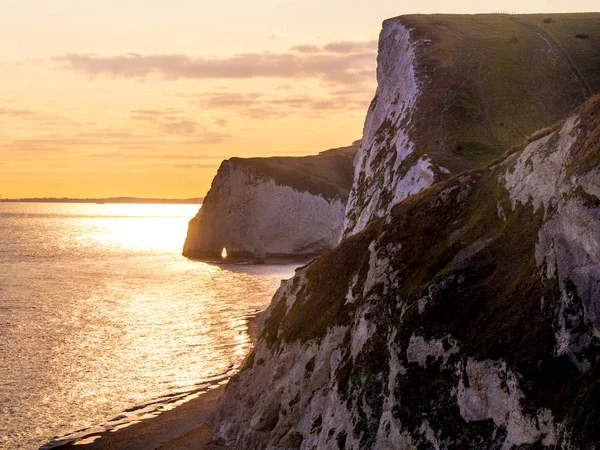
{"x": 184, "y": 427}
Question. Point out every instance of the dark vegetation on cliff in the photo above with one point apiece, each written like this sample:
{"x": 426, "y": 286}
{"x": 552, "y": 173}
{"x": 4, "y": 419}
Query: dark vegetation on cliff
{"x": 370, "y": 344}
{"x": 329, "y": 174}
{"x": 463, "y": 247}
{"x": 259, "y": 207}
{"x": 482, "y": 83}
{"x": 497, "y": 79}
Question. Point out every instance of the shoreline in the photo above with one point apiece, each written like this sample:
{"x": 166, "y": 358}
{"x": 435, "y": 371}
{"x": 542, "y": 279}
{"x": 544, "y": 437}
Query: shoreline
{"x": 181, "y": 426}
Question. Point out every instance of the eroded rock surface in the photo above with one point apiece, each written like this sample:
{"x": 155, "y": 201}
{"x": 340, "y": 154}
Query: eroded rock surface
{"x": 261, "y": 207}
{"x": 454, "y": 92}
{"x": 461, "y": 310}
{"x": 445, "y": 324}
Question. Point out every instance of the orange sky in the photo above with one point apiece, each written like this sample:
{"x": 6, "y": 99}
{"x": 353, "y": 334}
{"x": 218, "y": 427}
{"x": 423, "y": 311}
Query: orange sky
{"x": 145, "y": 98}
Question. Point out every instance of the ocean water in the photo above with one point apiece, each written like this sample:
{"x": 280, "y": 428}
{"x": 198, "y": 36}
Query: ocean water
{"x": 100, "y": 313}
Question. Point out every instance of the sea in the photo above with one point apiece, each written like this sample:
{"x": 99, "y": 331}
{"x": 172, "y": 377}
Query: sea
{"x": 101, "y": 317}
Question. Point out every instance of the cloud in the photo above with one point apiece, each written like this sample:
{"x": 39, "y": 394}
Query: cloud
{"x": 44, "y": 118}
{"x": 61, "y": 144}
{"x": 221, "y": 122}
{"x": 155, "y": 112}
{"x": 306, "y": 48}
{"x": 168, "y": 121}
{"x": 339, "y": 47}
{"x": 347, "y": 47}
{"x": 337, "y": 62}
{"x": 22, "y": 113}
{"x": 179, "y": 126}
{"x": 261, "y": 106}
{"x": 218, "y": 100}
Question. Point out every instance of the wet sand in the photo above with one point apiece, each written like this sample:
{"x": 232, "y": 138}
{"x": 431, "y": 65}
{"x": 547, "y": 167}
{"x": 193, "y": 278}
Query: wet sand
{"x": 183, "y": 428}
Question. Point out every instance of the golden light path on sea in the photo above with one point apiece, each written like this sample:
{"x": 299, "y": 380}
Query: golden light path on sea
{"x": 102, "y": 313}
{"x": 133, "y": 230}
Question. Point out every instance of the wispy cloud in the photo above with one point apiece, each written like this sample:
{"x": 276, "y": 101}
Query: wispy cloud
{"x": 336, "y": 62}
{"x": 262, "y": 106}
{"x": 347, "y": 47}
{"x": 42, "y": 117}
{"x": 168, "y": 121}
{"x": 152, "y": 156}
{"x": 195, "y": 166}
{"x": 23, "y": 113}
{"x": 340, "y": 47}
{"x": 115, "y": 140}
{"x": 218, "y": 100}
{"x": 306, "y": 48}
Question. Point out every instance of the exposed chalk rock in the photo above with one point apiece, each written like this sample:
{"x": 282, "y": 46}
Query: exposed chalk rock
{"x": 490, "y": 391}
{"x": 442, "y": 325}
{"x": 261, "y": 207}
{"x": 465, "y": 316}
{"x": 439, "y": 110}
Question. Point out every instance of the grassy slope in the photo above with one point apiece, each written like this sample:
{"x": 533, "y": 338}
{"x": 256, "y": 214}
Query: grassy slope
{"x": 584, "y": 53}
{"x": 499, "y": 78}
{"x": 329, "y": 173}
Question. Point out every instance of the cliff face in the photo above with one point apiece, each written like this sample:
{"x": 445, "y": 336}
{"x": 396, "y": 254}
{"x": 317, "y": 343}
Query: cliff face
{"x": 468, "y": 317}
{"x": 273, "y": 206}
{"x": 454, "y": 92}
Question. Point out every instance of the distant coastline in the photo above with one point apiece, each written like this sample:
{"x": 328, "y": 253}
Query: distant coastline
{"x": 174, "y": 201}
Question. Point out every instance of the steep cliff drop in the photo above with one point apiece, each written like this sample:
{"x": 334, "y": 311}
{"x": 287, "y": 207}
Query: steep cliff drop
{"x": 280, "y": 206}
{"x": 468, "y": 314}
{"x": 454, "y": 92}
{"x": 469, "y": 317}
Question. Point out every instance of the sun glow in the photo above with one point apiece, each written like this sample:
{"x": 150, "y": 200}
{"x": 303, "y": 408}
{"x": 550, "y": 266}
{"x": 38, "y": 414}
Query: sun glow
{"x": 126, "y": 225}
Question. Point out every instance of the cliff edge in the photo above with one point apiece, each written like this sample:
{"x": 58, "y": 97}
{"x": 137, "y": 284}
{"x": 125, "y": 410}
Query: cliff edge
{"x": 454, "y": 92}
{"x": 280, "y": 206}
{"x": 462, "y": 310}
{"x": 469, "y": 317}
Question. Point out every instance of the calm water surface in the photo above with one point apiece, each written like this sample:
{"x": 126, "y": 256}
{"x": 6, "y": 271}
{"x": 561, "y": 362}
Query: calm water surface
{"x": 99, "y": 312}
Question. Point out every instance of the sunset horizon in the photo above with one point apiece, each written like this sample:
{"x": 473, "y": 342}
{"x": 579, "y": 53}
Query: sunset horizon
{"x": 300, "y": 225}
{"x": 153, "y": 107}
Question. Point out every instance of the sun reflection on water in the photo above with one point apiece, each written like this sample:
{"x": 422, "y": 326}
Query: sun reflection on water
{"x": 127, "y": 225}
{"x": 101, "y": 312}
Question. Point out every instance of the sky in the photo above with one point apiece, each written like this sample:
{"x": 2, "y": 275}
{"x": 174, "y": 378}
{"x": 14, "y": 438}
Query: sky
{"x": 146, "y": 98}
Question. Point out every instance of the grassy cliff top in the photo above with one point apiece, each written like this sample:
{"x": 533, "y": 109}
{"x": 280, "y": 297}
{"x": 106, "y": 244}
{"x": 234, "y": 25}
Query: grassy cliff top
{"x": 497, "y": 79}
{"x": 329, "y": 174}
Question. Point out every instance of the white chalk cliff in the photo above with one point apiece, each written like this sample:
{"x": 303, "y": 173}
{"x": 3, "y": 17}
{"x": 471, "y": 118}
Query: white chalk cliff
{"x": 433, "y": 116}
{"x": 467, "y": 315}
{"x": 454, "y": 334}
{"x": 261, "y": 207}
{"x": 386, "y": 170}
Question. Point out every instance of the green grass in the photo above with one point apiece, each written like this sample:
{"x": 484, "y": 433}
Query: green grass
{"x": 585, "y": 53}
{"x": 329, "y": 173}
{"x": 497, "y": 79}
{"x": 477, "y": 152}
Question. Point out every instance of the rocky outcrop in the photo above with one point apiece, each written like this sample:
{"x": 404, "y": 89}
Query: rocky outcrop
{"x": 462, "y": 308}
{"x": 260, "y": 207}
{"x": 454, "y": 92}
{"x": 467, "y": 317}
